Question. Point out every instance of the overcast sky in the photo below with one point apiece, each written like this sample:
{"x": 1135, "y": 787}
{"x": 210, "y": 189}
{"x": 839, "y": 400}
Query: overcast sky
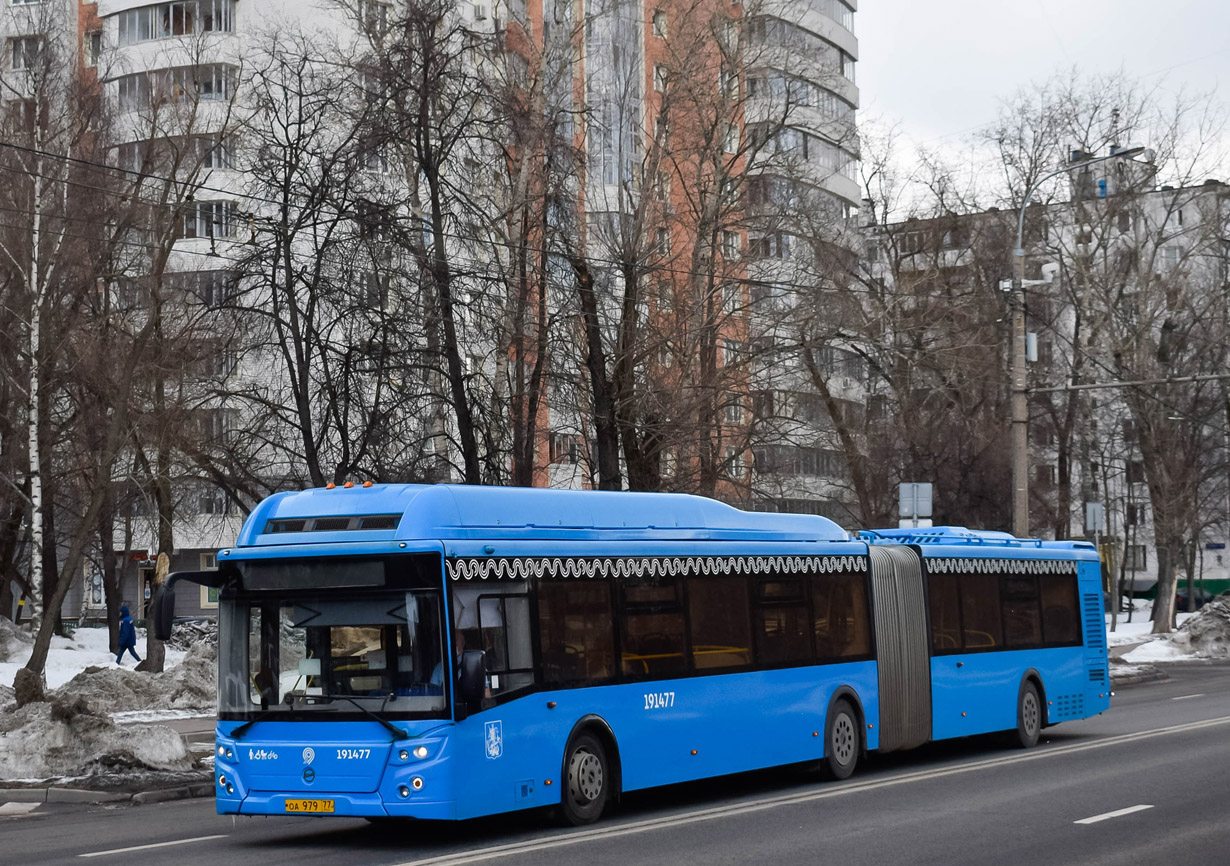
{"x": 938, "y": 67}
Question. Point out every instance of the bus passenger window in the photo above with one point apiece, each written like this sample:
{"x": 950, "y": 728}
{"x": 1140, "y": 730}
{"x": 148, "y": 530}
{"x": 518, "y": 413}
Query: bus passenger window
{"x": 720, "y": 623}
{"x": 651, "y": 630}
{"x": 945, "y": 609}
{"x": 1060, "y": 610}
{"x": 784, "y": 631}
{"x": 839, "y": 603}
{"x": 1022, "y": 619}
{"x": 576, "y": 632}
{"x": 980, "y": 614}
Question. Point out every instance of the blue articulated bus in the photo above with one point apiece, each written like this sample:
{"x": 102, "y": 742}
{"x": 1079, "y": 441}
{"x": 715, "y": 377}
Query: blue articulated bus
{"x": 444, "y": 652}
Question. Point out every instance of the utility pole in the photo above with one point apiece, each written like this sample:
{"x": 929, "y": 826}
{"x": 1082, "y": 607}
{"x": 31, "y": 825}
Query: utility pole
{"x": 1020, "y": 394}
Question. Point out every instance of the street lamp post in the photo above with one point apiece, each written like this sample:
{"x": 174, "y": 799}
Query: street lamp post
{"x": 1020, "y": 393}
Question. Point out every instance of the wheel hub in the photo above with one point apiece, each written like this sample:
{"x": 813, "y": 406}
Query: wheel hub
{"x": 584, "y": 776}
{"x": 843, "y": 739}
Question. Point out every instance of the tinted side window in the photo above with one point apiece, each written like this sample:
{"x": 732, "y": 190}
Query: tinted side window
{"x": 576, "y": 632}
{"x": 651, "y": 630}
{"x": 945, "y": 605}
{"x": 783, "y": 625}
{"x": 720, "y": 622}
{"x": 1060, "y": 610}
{"x": 1022, "y": 618}
{"x": 980, "y": 613}
{"x": 839, "y": 606}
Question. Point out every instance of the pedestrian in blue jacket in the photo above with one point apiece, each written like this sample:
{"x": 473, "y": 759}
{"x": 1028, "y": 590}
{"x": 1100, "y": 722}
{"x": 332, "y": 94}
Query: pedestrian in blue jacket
{"x": 128, "y": 637}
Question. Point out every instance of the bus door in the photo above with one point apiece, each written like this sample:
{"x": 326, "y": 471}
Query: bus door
{"x": 902, "y": 656}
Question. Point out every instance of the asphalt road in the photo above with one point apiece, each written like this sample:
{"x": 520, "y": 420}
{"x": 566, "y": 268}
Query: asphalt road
{"x": 1146, "y": 782}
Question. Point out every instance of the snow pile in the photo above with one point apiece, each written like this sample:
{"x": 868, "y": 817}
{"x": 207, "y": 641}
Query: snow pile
{"x": 191, "y": 686}
{"x": 186, "y": 634}
{"x": 1207, "y": 632}
{"x": 71, "y": 737}
{"x": 1203, "y": 635}
{"x": 13, "y": 639}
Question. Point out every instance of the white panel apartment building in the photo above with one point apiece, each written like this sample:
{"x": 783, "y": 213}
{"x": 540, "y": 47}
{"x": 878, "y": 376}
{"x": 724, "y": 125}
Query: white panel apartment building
{"x": 176, "y": 71}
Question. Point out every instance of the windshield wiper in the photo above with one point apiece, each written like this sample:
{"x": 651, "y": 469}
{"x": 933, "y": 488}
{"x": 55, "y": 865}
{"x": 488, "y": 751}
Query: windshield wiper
{"x": 398, "y": 733}
{"x": 260, "y": 717}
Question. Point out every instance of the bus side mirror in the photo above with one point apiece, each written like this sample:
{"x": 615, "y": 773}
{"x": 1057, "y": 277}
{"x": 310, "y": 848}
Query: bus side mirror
{"x": 163, "y": 604}
{"x": 472, "y": 681}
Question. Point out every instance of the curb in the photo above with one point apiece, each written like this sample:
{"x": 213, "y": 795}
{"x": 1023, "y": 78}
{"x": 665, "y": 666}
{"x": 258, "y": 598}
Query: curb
{"x": 1137, "y": 679}
{"x": 79, "y": 795}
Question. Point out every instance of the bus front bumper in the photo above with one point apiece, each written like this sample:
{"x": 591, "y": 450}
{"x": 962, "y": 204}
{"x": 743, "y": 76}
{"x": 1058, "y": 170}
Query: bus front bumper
{"x": 330, "y": 805}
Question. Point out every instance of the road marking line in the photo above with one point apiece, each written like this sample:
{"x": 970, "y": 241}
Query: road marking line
{"x": 1185, "y": 697}
{"x": 12, "y": 810}
{"x": 154, "y": 845}
{"x": 1115, "y": 814}
{"x": 481, "y": 855}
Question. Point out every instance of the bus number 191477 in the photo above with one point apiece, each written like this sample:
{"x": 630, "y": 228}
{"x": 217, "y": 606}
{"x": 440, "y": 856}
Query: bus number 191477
{"x": 659, "y": 700}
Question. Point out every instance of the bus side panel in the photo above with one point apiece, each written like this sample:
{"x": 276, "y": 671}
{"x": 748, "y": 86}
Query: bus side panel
{"x": 733, "y": 722}
{"x": 503, "y": 757}
{"x": 977, "y": 693}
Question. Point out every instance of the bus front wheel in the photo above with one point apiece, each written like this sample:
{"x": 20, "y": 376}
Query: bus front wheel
{"x": 1028, "y": 716}
{"x": 841, "y": 742}
{"x": 587, "y": 781}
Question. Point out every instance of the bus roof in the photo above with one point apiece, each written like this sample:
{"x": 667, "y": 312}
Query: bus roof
{"x": 959, "y": 535}
{"x": 396, "y": 512}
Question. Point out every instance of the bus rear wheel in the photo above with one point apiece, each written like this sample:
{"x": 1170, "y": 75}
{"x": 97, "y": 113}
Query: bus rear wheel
{"x": 587, "y": 781}
{"x": 841, "y": 742}
{"x": 1028, "y": 717}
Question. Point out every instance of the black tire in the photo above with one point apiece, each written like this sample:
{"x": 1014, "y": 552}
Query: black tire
{"x": 1028, "y": 717}
{"x": 587, "y": 781}
{"x": 841, "y": 742}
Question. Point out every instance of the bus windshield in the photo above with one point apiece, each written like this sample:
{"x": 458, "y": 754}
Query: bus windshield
{"x": 311, "y": 654}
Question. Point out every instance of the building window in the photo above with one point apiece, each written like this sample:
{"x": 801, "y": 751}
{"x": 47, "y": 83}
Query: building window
{"x": 24, "y": 51}
{"x": 662, "y": 241}
{"x": 659, "y": 24}
{"x": 185, "y": 18}
{"x": 1135, "y": 515}
{"x": 208, "y": 83}
{"x": 209, "y": 219}
{"x": 659, "y": 77}
{"x": 374, "y": 290}
{"x": 731, "y": 143}
{"x": 375, "y": 17}
{"x": 1136, "y": 557}
{"x": 93, "y": 47}
{"x": 733, "y": 413}
{"x": 562, "y": 448}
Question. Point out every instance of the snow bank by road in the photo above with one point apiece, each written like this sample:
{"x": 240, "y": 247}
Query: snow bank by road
{"x": 75, "y": 732}
{"x": 1201, "y": 635}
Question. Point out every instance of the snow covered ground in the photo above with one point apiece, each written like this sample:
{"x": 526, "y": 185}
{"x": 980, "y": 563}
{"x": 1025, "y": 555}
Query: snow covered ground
{"x": 100, "y": 719}
{"x": 1200, "y": 635}
{"x": 70, "y": 656}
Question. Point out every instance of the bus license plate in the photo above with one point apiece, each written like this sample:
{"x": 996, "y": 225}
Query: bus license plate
{"x": 309, "y": 805}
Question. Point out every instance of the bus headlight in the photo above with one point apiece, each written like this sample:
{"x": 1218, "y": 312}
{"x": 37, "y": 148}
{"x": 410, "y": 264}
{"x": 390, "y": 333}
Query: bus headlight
{"x": 420, "y": 752}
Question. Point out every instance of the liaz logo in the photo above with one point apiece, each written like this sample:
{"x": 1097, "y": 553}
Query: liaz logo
{"x": 262, "y": 755}
{"x": 493, "y": 736}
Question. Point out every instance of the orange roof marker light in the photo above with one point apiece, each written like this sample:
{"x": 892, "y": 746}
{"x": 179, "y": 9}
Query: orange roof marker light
{"x": 367, "y": 484}
{"x": 348, "y": 485}
{"x": 330, "y": 486}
